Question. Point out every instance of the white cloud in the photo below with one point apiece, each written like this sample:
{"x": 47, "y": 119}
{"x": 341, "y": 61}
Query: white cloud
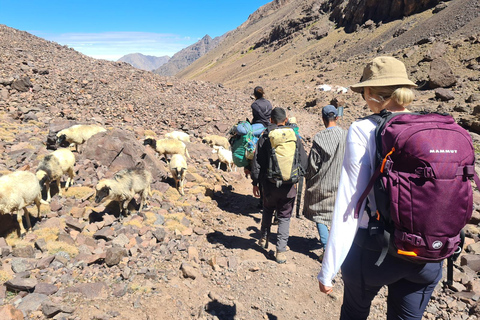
{"x": 113, "y": 45}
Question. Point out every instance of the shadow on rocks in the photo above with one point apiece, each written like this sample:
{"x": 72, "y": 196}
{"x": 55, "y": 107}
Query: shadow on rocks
{"x": 220, "y": 310}
{"x": 304, "y": 246}
{"x": 113, "y": 208}
{"x": 234, "y": 242}
{"x": 236, "y": 203}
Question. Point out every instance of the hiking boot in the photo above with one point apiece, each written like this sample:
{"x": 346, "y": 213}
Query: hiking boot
{"x": 281, "y": 257}
{"x": 263, "y": 243}
{"x": 320, "y": 256}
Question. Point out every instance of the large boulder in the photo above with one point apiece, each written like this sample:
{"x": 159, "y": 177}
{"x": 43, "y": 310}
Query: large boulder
{"x": 441, "y": 75}
{"x": 118, "y": 149}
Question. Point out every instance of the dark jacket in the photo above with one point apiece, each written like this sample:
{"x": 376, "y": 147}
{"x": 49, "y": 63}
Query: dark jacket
{"x": 261, "y": 110}
{"x": 263, "y": 153}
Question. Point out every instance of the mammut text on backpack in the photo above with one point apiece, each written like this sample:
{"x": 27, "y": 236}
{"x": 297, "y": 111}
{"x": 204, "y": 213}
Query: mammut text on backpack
{"x": 422, "y": 186}
{"x": 284, "y": 164}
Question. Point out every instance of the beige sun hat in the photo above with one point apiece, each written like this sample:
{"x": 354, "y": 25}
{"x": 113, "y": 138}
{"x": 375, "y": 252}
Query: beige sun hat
{"x": 382, "y": 72}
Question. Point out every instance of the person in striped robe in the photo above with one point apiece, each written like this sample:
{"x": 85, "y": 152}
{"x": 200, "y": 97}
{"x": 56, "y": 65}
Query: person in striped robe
{"x": 323, "y": 173}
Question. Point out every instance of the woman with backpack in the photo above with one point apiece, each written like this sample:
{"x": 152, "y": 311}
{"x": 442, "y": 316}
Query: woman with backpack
{"x": 384, "y": 85}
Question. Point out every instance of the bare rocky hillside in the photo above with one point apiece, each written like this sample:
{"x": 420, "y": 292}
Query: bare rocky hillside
{"x": 194, "y": 256}
{"x": 292, "y": 47}
{"x": 187, "y": 56}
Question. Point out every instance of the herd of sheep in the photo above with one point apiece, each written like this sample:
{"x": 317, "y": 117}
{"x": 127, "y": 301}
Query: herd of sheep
{"x": 121, "y": 188}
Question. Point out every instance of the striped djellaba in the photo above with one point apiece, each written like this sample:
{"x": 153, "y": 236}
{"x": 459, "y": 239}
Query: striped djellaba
{"x": 323, "y": 174}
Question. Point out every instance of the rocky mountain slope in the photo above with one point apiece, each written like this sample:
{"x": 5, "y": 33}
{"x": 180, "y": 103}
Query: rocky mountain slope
{"x": 292, "y": 47}
{"x": 144, "y": 62}
{"x": 187, "y": 56}
{"x": 194, "y": 256}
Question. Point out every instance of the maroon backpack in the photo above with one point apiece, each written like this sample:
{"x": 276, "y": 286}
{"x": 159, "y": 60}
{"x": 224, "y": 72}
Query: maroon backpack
{"x": 422, "y": 185}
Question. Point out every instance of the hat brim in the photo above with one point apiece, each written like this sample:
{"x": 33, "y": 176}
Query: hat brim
{"x": 358, "y": 87}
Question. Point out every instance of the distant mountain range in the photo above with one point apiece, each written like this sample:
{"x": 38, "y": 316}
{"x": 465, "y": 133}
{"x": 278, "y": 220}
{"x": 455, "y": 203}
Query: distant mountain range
{"x": 187, "y": 56}
{"x": 144, "y": 62}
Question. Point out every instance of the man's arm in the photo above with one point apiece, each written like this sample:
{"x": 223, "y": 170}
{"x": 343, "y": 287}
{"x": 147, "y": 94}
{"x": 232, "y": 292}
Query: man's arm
{"x": 303, "y": 155}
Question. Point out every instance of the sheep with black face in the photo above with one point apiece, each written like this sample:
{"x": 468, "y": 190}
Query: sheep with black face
{"x": 123, "y": 187}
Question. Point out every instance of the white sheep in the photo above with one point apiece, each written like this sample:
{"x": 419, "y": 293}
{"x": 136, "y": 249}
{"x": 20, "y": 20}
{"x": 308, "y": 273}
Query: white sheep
{"x": 214, "y": 140}
{"x": 178, "y": 168}
{"x": 224, "y": 156}
{"x": 167, "y": 146}
{"x": 53, "y": 167}
{"x": 123, "y": 187}
{"x": 17, "y": 191}
{"x": 178, "y": 135}
{"x": 78, "y": 134}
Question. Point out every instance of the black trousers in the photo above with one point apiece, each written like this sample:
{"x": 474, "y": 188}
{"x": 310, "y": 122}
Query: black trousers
{"x": 282, "y": 200}
{"x": 410, "y": 285}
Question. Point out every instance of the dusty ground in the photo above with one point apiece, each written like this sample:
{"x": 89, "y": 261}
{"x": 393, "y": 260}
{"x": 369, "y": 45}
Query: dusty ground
{"x": 257, "y": 288}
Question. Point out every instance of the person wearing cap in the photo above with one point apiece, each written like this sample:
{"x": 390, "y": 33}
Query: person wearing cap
{"x": 323, "y": 173}
{"x": 279, "y": 198}
{"x": 384, "y": 85}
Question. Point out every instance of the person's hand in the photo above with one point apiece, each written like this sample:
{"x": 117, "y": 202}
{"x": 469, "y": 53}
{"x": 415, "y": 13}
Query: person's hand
{"x": 324, "y": 288}
{"x": 256, "y": 191}
{"x": 247, "y": 172}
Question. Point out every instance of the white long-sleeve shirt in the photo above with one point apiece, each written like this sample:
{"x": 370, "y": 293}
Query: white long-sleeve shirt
{"x": 357, "y": 169}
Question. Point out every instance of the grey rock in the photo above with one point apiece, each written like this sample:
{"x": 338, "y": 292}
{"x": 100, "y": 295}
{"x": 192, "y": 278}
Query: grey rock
{"x": 31, "y": 302}
{"x": 473, "y": 98}
{"x": 474, "y": 248}
{"x": 105, "y": 233}
{"x": 22, "y": 85}
{"x": 41, "y": 245}
{"x": 441, "y": 75}
{"x": 90, "y": 290}
{"x": 160, "y": 220}
{"x": 119, "y": 290}
{"x": 5, "y": 251}
{"x": 159, "y": 234}
{"x": 22, "y": 264}
{"x": 24, "y": 252}
{"x": 3, "y": 94}
{"x": 6, "y": 81}
{"x": 45, "y": 262}
{"x": 114, "y": 256}
{"x": 188, "y": 271}
{"x": 63, "y": 237}
{"x": 457, "y": 287}
{"x": 51, "y": 309}
{"x": 21, "y": 284}
{"x": 444, "y": 94}
{"x": 121, "y": 240}
{"x": 127, "y": 272}
{"x": 45, "y": 288}
{"x": 75, "y": 224}
{"x": 471, "y": 260}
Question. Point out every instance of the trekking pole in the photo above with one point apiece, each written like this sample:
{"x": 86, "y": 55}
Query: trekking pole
{"x": 299, "y": 195}
{"x": 453, "y": 257}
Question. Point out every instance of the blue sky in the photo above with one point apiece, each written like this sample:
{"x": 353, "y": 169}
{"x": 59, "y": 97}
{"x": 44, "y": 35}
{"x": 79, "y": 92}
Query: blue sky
{"x": 111, "y": 29}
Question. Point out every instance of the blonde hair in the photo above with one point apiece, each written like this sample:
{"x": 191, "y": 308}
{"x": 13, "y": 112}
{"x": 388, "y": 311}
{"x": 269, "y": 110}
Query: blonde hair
{"x": 399, "y": 94}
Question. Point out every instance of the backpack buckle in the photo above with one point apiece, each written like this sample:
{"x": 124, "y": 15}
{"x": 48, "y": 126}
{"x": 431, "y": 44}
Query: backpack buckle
{"x": 426, "y": 172}
{"x": 468, "y": 171}
{"x": 410, "y": 238}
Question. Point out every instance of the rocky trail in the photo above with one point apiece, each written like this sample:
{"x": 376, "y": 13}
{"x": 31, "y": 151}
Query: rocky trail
{"x": 182, "y": 257}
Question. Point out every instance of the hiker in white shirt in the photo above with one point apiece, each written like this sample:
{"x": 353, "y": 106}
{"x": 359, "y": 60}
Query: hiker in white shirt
{"x": 384, "y": 85}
